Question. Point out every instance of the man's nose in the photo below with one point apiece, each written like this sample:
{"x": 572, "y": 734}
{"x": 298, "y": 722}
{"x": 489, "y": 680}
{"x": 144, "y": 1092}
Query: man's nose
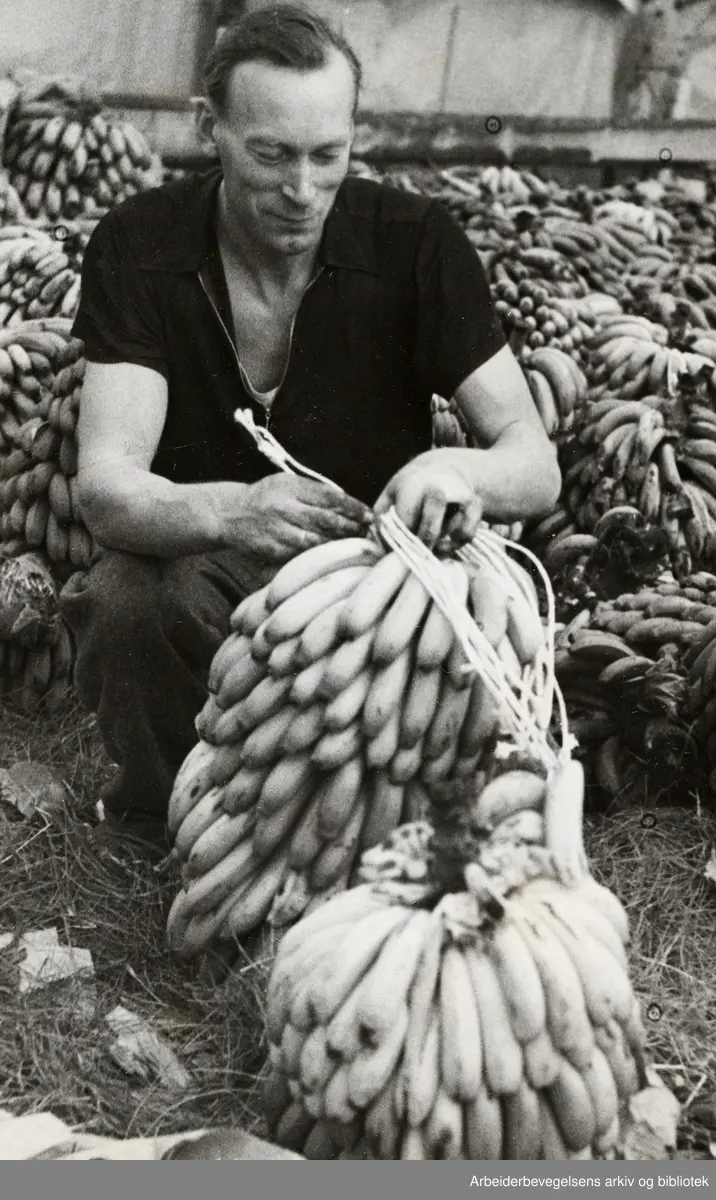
{"x": 300, "y": 187}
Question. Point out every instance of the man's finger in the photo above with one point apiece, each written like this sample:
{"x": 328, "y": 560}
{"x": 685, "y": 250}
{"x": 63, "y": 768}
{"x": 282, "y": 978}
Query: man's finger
{"x": 431, "y": 517}
{"x": 464, "y": 524}
{"x": 331, "y": 524}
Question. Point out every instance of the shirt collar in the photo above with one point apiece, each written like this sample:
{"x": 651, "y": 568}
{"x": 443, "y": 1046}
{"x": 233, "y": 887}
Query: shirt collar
{"x": 183, "y": 248}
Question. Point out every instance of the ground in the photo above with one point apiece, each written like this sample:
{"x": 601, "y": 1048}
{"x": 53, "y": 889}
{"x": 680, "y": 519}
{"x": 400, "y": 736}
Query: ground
{"x": 51, "y": 1059}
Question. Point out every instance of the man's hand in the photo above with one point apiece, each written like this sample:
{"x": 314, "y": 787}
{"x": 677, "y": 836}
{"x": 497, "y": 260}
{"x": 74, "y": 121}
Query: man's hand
{"x": 285, "y": 514}
{"x": 434, "y": 499}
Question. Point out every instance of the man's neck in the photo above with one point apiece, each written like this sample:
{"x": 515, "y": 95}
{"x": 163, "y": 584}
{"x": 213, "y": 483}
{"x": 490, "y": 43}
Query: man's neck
{"x": 270, "y": 270}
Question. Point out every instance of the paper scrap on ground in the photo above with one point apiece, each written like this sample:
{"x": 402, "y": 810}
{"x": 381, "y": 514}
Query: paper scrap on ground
{"x": 43, "y": 965}
{"x": 6, "y": 940}
{"x": 139, "y": 1051}
{"x": 650, "y": 1132}
{"x": 710, "y": 868}
{"x": 32, "y": 787}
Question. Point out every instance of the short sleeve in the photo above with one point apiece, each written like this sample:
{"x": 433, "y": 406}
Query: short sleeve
{"x": 118, "y": 317}
{"x": 458, "y": 326}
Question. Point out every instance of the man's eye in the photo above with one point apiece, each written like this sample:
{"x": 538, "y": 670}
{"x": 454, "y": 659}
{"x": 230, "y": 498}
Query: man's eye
{"x": 269, "y": 156}
{"x": 327, "y": 155}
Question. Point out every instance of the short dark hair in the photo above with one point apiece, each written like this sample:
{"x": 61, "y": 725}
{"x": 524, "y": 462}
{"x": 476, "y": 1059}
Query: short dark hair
{"x": 284, "y": 35}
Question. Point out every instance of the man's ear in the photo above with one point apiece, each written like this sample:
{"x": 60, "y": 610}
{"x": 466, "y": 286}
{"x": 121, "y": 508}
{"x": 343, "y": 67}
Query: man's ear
{"x": 204, "y": 122}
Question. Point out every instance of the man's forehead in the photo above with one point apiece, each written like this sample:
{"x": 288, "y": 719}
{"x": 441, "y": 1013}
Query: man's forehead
{"x": 261, "y": 91}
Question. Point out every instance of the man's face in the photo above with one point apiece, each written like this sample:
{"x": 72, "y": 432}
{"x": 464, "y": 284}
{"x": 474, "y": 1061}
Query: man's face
{"x": 284, "y": 143}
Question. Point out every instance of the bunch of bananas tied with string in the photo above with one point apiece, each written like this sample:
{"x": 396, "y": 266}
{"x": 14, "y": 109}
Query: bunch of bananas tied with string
{"x": 340, "y": 695}
{"x": 470, "y": 997}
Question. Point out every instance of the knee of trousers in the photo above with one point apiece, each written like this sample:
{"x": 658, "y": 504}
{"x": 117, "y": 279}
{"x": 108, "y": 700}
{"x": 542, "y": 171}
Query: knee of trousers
{"x": 117, "y": 612}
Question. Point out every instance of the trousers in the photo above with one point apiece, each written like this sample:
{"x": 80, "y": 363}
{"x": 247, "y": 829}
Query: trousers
{"x": 145, "y": 632}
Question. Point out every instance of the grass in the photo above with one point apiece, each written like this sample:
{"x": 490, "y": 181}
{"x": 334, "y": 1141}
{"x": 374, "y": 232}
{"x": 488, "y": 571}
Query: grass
{"x": 52, "y": 1059}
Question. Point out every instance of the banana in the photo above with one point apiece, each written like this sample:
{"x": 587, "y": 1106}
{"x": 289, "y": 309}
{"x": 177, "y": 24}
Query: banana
{"x": 524, "y": 628}
{"x": 603, "y": 1094}
{"x": 443, "y": 733}
{"x": 287, "y": 777}
{"x": 484, "y": 1133}
{"x": 333, "y": 864}
{"x": 254, "y": 899}
{"x": 571, "y": 1103}
{"x": 413, "y": 1147}
{"x": 271, "y": 829}
{"x": 315, "y": 1066}
{"x": 522, "y": 1124}
{"x": 563, "y": 828}
{"x": 443, "y": 1131}
{"x": 553, "y": 365}
{"x": 519, "y": 980}
{"x": 201, "y": 817}
{"x": 320, "y": 636}
{"x": 221, "y": 836}
{"x": 346, "y": 969}
{"x": 542, "y": 1061}
{"x": 383, "y": 812}
{"x": 236, "y": 674}
{"x": 345, "y": 708}
{"x": 386, "y": 987}
{"x": 622, "y": 1065}
{"x": 250, "y": 613}
{"x": 193, "y": 780}
{"x": 282, "y": 659}
{"x": 381, "y": 1126}
{"x": 262, "y": 702}
{"x": 544, "y": 400}
{"x": 335, "y": 1100}
{"x": 488, "y": 605}
{"x": 345, "y": 664}
{"x": 373, "y": 594}
{"x": 264, "y": 743}
{"x": 510, "y": 793}
{"x": 405, "y": 764}
{"x": 338, "y": 796}
{"x": 461, "y": 1037}
{"x": 307, "y": 685}
{"x": 319, "y": 1144}
{"x": 419, "y": 705}
{"x": 208, "y": 893}
{"x": 332, "y": 750}
{"x": 242, "y": 791}
{"x": 567, "y": 1019}
{"x": 293, "y": 615}
{"x": 553, "y": 1147}
{"x": 502, "y": 1053}
{"x": 381, "y": 749}
{"x": 370, "y": 1070}
{"x": 401, "y": 620}
{"x": 385, "y": 696}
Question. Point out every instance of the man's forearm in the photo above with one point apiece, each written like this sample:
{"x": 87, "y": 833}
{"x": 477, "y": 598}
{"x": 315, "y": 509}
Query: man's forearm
{"x": 141, "y": 513}
{"x": 518, "y": 477}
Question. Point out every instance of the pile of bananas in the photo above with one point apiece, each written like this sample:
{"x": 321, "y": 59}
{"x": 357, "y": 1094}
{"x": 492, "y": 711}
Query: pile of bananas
{"x": 38, "y": 278}
{"x": 544, "y": 318}
{"x": 339, "y": 696}
{"x": 622, "y": 669}
{"x": 66, "y": 159}
{"x": 38, "y": 497}
{"x": 491, "y": 1019}
{"x": 630, "y": 357}
{"x": 36, "y": 651}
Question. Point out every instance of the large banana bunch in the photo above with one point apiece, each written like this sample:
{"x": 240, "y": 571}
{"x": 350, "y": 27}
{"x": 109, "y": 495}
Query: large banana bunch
{"x": 68, "y": 159}
{"x": 491, "y": 1020}
{"x": 700, "y": 665}
{"x": 622, "y": 671}
{"x": 338, "y": 697}
{"x": 38, "y": 492}
{"x": 630, "y": 358}
{"x": 35, "y": 645}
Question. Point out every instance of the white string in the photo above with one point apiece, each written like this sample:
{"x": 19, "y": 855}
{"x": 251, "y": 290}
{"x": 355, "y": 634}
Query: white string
{"x": 273, "y": 450}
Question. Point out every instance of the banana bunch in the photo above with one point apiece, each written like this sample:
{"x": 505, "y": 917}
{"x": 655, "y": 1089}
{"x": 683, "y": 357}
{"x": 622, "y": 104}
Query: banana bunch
{"x": 36, "y": 650}
{"x": 37, "y": 278}
{"x": 12, "y": 211}
{"x": 621, "y": 669}
{"x": 339, "y": 696}
{"x": 448, "y": 428}
{"x": 65, "y": 159}
{"x": 485, "y": 1022}
{"x": 530, "y": 305}
{"x": 38, "y": 492}
{"x": 654, "y": 222}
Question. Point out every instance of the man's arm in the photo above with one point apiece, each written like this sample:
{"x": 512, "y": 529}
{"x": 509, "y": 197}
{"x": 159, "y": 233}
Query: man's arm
{"x": 126, "y": 507}
{"x": 513, "y": 476}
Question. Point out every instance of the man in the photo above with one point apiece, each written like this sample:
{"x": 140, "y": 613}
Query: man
{"x": 332, "y": 308}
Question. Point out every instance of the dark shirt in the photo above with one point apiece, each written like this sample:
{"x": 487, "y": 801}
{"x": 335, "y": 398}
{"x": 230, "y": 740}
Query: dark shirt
{"x": 399, "y": 310}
